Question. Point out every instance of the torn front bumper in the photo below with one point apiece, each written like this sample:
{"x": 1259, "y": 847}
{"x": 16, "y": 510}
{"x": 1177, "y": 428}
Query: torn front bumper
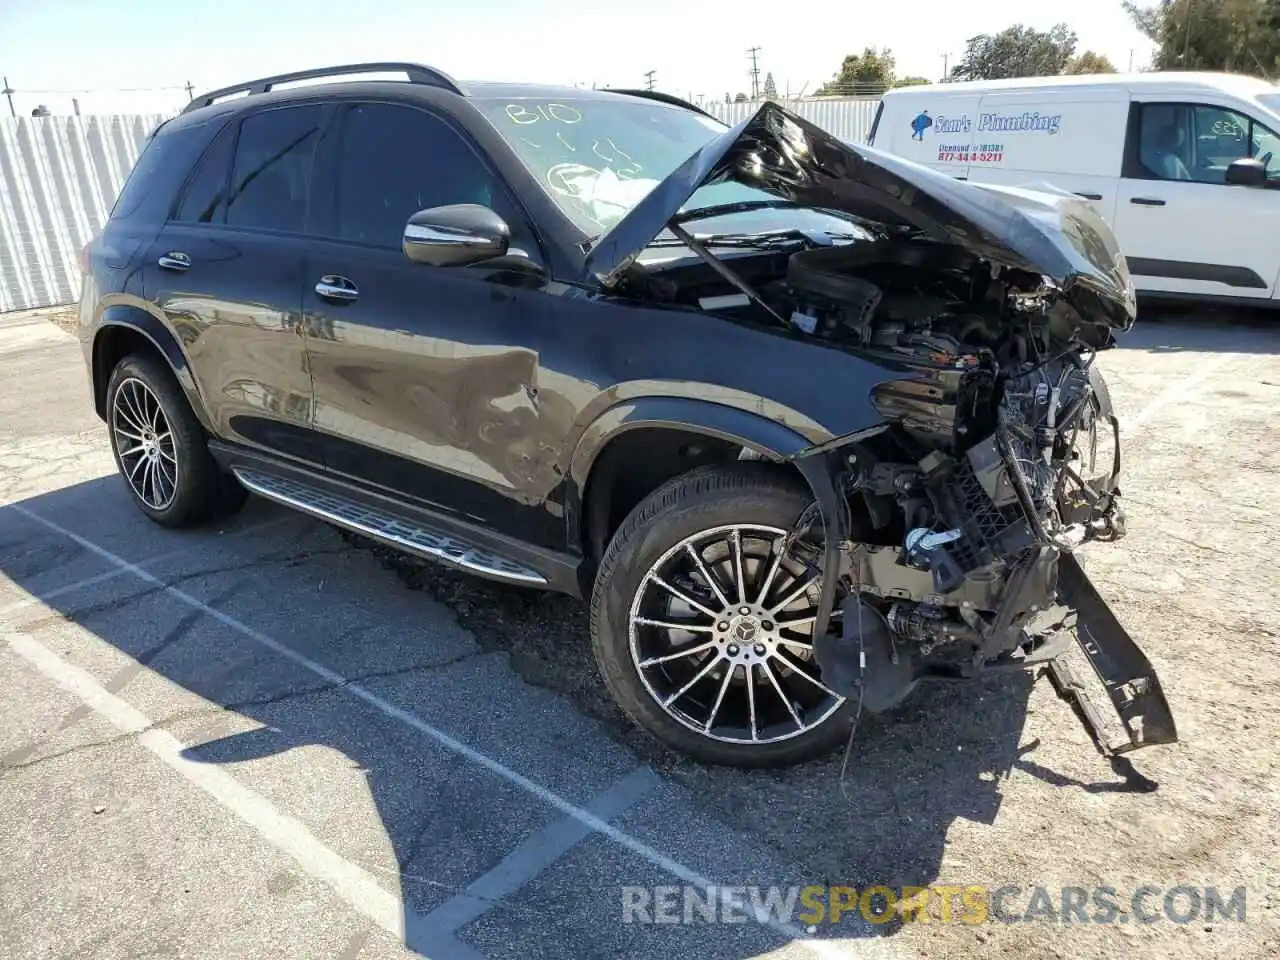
{"x": 1125, "y": 671}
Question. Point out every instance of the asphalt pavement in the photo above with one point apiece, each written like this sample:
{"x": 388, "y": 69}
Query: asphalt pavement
{"x": 252, "y": 741}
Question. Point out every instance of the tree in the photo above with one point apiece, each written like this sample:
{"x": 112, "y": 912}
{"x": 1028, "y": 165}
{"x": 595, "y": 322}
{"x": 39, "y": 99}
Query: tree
{"x": 770, "y": 88}
{"x": 1090, "y": 62}
{"x": 1238, "y": 36}
{"x": 867, "y": 74}
{"x": 1017, "y": 51}
{"x": 740, "y": 98}
{"x": 911, "y": 81}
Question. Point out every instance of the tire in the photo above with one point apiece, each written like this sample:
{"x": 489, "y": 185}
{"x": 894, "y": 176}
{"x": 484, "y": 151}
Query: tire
{"x": 701, "y": 509}
{"x": 170, "y": 474}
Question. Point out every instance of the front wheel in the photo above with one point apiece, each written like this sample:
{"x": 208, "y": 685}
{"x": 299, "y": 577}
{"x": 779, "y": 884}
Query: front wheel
{"x": 160, "y": 447}
{"x": 703, "y": 628}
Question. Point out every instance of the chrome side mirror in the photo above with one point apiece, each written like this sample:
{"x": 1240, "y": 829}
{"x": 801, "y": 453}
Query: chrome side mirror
{"x": 455, "y": 235}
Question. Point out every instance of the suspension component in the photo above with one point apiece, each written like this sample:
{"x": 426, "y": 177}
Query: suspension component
{"x": 928, "y": 626}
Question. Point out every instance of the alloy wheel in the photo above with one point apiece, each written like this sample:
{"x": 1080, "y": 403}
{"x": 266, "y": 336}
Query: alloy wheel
{"x": 144, "y": 443}
{"x": 721, "y": 634}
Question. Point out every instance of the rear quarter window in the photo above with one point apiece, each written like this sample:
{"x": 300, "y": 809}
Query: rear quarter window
{"x": 151, "y": 186}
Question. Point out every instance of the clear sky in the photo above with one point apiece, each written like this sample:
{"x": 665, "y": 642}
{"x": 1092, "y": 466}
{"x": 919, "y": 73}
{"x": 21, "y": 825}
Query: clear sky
{"x": 696, "y": 46}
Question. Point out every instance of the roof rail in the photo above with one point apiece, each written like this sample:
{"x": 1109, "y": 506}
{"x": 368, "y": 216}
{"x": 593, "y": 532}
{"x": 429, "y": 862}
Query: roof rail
{"x": 662, "y": 98}
{"x": 416, "y": 72}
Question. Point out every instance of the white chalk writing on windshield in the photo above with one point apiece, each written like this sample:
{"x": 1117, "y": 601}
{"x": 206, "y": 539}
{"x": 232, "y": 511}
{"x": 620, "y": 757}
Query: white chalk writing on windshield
{"x": 603, "y": 192}
{"x": 557, "y": 112}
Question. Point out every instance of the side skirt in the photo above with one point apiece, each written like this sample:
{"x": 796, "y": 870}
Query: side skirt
{"x": 411, "y": 529}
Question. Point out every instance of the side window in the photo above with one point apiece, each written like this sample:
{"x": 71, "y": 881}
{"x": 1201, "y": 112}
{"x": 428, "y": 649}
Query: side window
{"x": 1164, "y": 140}
{"x": 394, "y": 161}
{"x": 206, "y": 196}
{"x": 163, "y": 164}
{"x": 1265, "y": 145}
{"x": 1197, "y": 142}
{"x": 271, "y": 173}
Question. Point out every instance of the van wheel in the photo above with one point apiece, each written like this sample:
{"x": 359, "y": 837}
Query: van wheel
{"x": 160, "y": 447}
{"x": 703, "y": 632}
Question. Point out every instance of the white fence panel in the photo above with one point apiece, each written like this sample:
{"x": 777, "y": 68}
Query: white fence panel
{"x": 848, "y": 118}
{"x": 59, "y": 177}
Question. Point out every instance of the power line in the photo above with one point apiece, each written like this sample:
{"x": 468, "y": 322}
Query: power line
{"x": 24, "y": 90}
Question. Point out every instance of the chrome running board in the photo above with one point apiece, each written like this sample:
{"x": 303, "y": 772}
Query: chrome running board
{"x": 386, "y": 527}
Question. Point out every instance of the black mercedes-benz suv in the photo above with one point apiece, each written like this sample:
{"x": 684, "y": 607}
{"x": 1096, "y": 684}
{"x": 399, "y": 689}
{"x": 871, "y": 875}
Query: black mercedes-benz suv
{"x": 806, "y": 423}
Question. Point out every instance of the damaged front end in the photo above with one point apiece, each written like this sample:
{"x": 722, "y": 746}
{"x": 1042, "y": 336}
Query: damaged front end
{"x": 949, "y": 528}
{"x": 962, "y": 519}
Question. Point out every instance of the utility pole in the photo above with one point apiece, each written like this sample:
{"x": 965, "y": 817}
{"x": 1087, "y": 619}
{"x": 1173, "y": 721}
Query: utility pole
{"x": 8, "y": 91}
{"x": 1186, "y": 44}
{"x": 191, "y": 91}
{"x": 753, "y": 53}
{"x": 1131, "y": 59}
{"x": 649, "y": 79}
{"x": 946, "y": 59}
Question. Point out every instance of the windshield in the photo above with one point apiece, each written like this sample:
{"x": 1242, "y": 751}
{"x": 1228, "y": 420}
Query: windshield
{"x": 598, "y": 157}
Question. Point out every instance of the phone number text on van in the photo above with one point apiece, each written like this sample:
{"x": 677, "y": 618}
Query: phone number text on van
{"x": 970, "y": 153}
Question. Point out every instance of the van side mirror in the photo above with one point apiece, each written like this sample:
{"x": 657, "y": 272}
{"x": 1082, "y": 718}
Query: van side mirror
{"x": 455, "y": 235}
{"x": 1247, "y": 172}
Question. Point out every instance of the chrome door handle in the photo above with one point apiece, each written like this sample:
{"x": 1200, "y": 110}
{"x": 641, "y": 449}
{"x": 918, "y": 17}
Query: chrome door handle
{"x": 333, "y": 287}
{"x": 174, "y": 261}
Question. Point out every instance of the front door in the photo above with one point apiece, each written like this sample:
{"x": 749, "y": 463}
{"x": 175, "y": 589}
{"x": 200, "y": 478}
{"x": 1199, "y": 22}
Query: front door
{"x": 427, "y": 379}
{"x": 227, "y": 269}
{"x": 1182, "y": 227}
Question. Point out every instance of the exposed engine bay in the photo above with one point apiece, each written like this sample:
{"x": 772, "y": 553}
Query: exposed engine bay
{"x": 956, "y": 519}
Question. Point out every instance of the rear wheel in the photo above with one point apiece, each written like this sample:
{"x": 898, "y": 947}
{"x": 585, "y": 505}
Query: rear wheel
{"x": 160, "y": 447}
{"x": 703, "y": 628}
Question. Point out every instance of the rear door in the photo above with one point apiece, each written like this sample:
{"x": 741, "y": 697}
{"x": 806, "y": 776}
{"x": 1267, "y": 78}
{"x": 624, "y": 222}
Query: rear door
{"x": 227, "y": 269}
{"x": 1182, "y": 227}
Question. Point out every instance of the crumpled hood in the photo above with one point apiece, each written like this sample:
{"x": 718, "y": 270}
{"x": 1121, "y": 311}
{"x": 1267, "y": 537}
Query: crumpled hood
{"x": 1044, "y": 231}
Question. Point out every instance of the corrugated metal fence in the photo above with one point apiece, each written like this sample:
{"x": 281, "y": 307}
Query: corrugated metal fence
{"x": 848, "y": 118}
{"x": 59, "y": 177}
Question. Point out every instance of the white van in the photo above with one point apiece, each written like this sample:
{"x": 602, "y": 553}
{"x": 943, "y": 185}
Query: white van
{"x": 1164, "y": 157}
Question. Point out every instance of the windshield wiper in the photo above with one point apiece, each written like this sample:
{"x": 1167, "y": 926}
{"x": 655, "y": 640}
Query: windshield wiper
{"x": 724, "y": 209}
{"x": 750, "y": 241}
{"x": 758, "y": 241}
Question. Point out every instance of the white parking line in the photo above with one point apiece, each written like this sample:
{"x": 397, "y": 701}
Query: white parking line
{"x": 537, "y": 853}
{"x": 583, "y": 816}
{"x": 67, "y": 588}
{"x": 351, "y": 882}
